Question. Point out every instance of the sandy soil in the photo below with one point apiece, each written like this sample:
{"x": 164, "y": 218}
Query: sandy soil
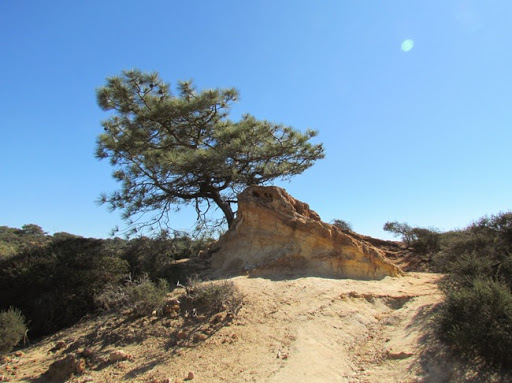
{"x": 305, "y": 329}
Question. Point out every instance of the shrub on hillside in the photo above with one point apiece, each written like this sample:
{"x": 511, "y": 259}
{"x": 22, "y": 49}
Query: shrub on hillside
{"x": 55, "y": 285}
{"x": 425, "y": 241}
{"x": 400, "y": 229}
{"x": 145, "y": 296}
{"x": 420, "y": 240}
{"x": 142, "y": 296}
{"x": 476, "y": 319}
{"x": 485, "y": 245}
{"x": 341, "y": 224}
{"x": 12, "y": 329}
{"x": 157, "y": 257}
{"x": 213, "y": 297}
{"x": 14, "y": 240}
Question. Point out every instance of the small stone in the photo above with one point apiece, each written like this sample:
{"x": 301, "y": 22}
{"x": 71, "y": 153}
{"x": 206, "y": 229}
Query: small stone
{"x": 118, "y": 355}
{"x": 399, "y": 355}
{"x": 199, "y": 337}
{"x": 181, "y": 335}
{"x": 284, "y": 356}
{"x": 190, "y": 375}
{"x": 19, "y": 354}
{"x": 60, "y": 345}
{"x": 62, "y": 369}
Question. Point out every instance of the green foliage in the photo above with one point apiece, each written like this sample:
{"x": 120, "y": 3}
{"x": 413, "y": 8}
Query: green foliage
{"x": 425, "y": 241}
{"x": 341, "y": 224}
{"x": 213, "y": 297}
{"x": 156, "y": 257}
{"x": 476, "y": 319}
{"x": 12, "y": 329}
{"x": 485, "y": 246}
{"x": 64, "y": 277}
{"x": 400, "y": 229}
{"x": 420, "y": 240}
{"x": 145, "y": 296}
{"x": 55, "y": 285}
{"x": 142, "y": 296}
{"x": 14, "y": 240}
{"x": 182, "y": 149}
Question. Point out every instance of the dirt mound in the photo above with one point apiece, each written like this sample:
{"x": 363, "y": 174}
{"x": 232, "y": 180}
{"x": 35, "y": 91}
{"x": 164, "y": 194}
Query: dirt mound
{"x": 275, "y": 235}
{"x": 301, "y": 330}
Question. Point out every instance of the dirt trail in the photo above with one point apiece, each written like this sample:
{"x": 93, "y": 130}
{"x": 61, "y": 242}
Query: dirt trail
{"x": 305, "y": 329}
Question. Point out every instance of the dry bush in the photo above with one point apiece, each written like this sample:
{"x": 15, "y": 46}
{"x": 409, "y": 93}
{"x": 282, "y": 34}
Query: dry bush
{"x": 142, "y": 295}
{"x": 12, "y": 329}
{"x": 213, "y": 297}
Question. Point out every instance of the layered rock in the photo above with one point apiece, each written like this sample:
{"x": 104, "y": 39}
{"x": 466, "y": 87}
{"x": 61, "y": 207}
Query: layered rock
{"x": 273, "y": 233}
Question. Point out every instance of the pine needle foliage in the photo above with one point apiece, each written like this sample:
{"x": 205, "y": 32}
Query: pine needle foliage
{"x": 171, "y": 149}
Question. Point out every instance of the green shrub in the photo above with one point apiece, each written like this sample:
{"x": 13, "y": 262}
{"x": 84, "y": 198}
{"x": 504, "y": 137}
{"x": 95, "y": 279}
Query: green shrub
{"x": 142, "y": 296}
{"x": 112, "y": 298}
{"x": 400, "y": 229}
{"x": 12, "y": 329}
{"x": 425, "y": 241}
{"x": 420, "y": 240}
{"x": 476, "y": 319}
{"x": 213, "y": 297}
{"x": 157, "y": 257}
{"x": 145, "y": 296}
{"x": 55, "y": 285}
{"x": 341, "y": 224}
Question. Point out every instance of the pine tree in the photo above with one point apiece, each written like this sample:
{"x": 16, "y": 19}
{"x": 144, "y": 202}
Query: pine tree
{"x": 172, "y": 149}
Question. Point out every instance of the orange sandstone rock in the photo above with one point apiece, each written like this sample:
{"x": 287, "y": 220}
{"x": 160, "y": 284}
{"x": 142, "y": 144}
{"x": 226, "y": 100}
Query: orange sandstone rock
{"x": 273, "y": 233}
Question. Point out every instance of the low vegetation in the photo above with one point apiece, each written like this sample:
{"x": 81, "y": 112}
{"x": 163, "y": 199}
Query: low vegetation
{"x": 142, "y": 296}
{"x": 476, "y": 317}
{"x": 50, "y": 282}
{"x": 14, "y": 240}
{"x": 12, "y": 329}
{"x": 341, "y": 224}
{"x": 209, "y": 298}
{"x": 57, "y": 280}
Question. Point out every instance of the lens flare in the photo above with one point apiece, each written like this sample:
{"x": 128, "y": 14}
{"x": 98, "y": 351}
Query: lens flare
{"x": 407, "y": 45}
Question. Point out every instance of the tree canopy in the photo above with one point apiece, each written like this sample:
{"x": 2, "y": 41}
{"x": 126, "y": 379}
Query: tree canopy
{"x": 170, "y": 149}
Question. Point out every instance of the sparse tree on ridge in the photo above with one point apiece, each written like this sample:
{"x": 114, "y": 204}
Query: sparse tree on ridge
{"x": 172, "y": 149}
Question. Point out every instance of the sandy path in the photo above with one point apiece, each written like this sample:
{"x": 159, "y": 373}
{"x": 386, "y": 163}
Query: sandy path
{"x": 298, "y": 330}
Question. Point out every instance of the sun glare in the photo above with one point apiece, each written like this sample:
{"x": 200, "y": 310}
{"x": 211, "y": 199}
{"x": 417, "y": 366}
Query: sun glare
{"x": 407, "y": 45}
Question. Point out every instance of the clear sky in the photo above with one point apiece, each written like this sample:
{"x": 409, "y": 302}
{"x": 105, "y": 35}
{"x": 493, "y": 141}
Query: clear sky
{"x": 412, "y": 100}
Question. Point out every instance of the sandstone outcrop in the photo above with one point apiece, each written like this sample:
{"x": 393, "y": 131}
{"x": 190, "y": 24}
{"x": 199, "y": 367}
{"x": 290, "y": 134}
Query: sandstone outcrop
{"x": 273, "y": 233}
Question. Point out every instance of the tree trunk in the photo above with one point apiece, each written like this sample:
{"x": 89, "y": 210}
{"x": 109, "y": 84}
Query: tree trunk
{"x": 225, "y": 207}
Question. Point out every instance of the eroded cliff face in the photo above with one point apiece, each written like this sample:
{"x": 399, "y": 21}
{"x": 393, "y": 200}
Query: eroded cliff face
{"x": 275, "y": 234}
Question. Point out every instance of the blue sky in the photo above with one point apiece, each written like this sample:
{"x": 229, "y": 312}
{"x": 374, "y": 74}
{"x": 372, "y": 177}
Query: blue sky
{"x": 421, "y": 136}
